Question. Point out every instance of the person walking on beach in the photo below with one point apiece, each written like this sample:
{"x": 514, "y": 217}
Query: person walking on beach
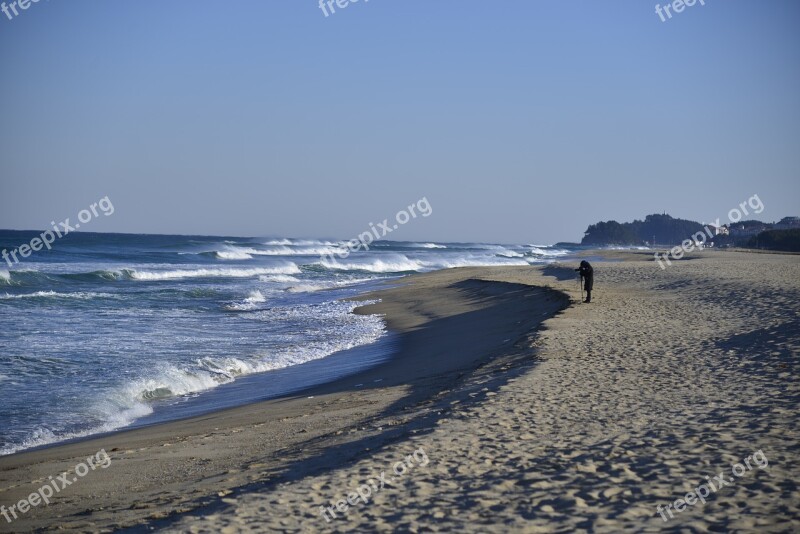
{"x": 587, "y": 275}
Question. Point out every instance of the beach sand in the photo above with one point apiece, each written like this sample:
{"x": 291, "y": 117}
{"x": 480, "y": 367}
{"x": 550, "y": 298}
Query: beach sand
{"x": 530, "y": 415}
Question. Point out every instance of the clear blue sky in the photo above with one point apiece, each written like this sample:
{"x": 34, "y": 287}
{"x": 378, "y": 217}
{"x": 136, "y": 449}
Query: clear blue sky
{"x": 520, "y": 121}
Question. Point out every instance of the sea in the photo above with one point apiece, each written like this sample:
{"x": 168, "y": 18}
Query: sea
{"x": 112, "y": 331}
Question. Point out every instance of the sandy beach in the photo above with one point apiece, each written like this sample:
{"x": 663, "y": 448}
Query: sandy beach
{"x": 511, "y": 407}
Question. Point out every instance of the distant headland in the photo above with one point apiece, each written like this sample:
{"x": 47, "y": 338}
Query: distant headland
{"x": 665, "y": 230}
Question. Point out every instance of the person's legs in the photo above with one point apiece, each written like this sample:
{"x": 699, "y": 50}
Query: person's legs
{"x": 588, "y": 295}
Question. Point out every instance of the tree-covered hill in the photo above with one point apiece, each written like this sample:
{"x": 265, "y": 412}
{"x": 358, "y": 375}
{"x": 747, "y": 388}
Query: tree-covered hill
{"x": 665, "y": 229}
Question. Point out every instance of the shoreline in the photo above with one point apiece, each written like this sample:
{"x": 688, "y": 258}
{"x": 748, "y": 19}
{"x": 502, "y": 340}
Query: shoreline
{"x": 324, "y": 416}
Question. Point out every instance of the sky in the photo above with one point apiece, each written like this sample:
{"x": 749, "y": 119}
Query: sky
{"x": 520, "y": 121}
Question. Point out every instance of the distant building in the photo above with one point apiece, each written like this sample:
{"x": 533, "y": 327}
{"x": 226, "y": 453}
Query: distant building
{"x": 717, "y": 230}
{"x": 747, "y": 229}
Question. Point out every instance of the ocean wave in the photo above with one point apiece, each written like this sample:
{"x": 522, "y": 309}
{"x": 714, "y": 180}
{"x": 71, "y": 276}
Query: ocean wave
{"x": 339, "y": 329}
{"x": 178, "y": 274}
{"x": 398, "y": 264}
{"x": 277, "y": 250}
{"x": 300, "y": 242}
{"x": 627, "y": 247}
{"x": 290, "y": 268}
{"x": 171, "y": 381}
{"x": 413, "y": 245}
{"x": 103, "y": 274}
{"x": 252, "y": 302}
{"x": 342, "y": 330}
{"x": 82, "y": 295}
{"x": 228, "y": 251}
{"x": 323, "y": 285}
{"x": 46, "y": 436}
{"x": 307, "y": 251}
{"x": 308, "y": 288}
{"x": 121, "y": 406}
{"x": 278, "y": 242}
{"x": 279, "y": 278}
{"x": 5, "y": 277}
{"x": 482, "y": 246}
{"x": 540, "y": 251}
{"x": 246, "y": 253}
{"x": 475, "y": 262}
{"x": 320, "y": 250}
{"x": 232, "y": 255}
{"x": 510, "y": 254}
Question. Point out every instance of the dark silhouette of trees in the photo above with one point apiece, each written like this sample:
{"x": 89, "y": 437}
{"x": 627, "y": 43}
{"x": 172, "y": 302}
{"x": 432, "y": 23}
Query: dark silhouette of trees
{"x": 665, "y": 229}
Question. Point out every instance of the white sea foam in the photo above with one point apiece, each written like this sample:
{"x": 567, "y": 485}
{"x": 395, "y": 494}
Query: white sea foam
{"x": 289, "y": 268}
{"x": 546, "y": 251}
{"x": 301, "y": 242}
{"x": 308, "y": 288}
{"x": 278, "y": 242}
{"x": 393, "y": 264}
{"x": 232, "y": 254}
{"x": 171, "y": 381}
{"x": 471, "y": 261}
{"x": 5, "y": 277}
{"x": 252, "y": 302}
{"x": 629, "y": 247}
{"x": 329, "y": 284}
{"x": 245, "y": 253}
{"x": 116, "y": 419}
{"x": 510, "y": 254}
{"x": 339, "y": 330}
{"x": 279, "y": 278}
{"x": 256, "y": 296}
{"x": 420, "y": 245}
{"x": 82, "y": 295}
{"x": 274, "y": 251}
{"x": 298, "y": 251}
{"x": 398, "y": 263}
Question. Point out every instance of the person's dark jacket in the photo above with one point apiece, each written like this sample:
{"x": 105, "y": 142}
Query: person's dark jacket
{"x": 587, "y": 273}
